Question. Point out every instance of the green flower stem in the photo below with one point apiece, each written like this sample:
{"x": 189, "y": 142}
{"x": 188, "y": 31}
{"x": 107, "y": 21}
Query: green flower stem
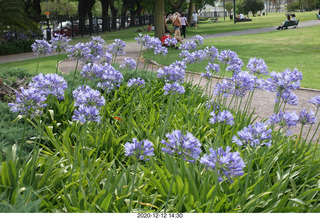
{"x": 58, "y": 62}
{"x": 133, "y": 181}
{"x": 214, "y": 191}
{"x": 37, "y": 69}
{"x": 74, "y": 74}
{"x": 170, "y": 188}
{"x": 22, "y": 140}
{"x": 138, "y": 58}
{"x": 312, "y": 124}
{"x": 168, "y": 114}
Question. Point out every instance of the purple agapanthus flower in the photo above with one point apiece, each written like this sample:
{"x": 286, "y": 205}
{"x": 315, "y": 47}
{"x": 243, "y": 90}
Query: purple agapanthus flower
{"x": 288, "y": 97}
{"x": 207, "y": 75}
{"x": 98, "y": 40}
{"x": 307, "y": 118}
{"x": 173, "y": 88}
{"x": 110, "y": 77}
{"x": 170, "y": 41}
{"x": 87, "y": 113}
{"x": 171, "y": 74}
{"x": 80, "y": 52}
{"x": 41, "y": 47}
{"x": 160, "y": 50}
{"x": 60, "y": 42}
{"x": 315, "y": 101}
{"x": 91, "y": 71}
{"x": 30, "y": 102}
{"x": 129, "y": 64}
{"x": 96, "y": 51}
{"x": 212, "y": 53}
{"x": 212, "y": 105}
{"x": 117, "y": 47}
{"x": 225, "y": 163}
{"x": 153, "y": 43}
{"x": 242, "y": 82}
{"x": 213, "y": 68}
{"x": 136, "y": 82}
{"x": 228, "y": 57}
{"x": 197, "y": 39}
{"x": 142, "y": 39}
{"x": 225, "y": 88}
{"x": 186, "y": 146}
{"x": 88, "y": 102}
{"x": 106, "y": 58}
{"x": 140, "y": 150}
{"x": 257, "y": 66}
{"x": 85, "y": 95}
{"x": 254, "y": 136}
{"x": 50, "y": 84}
{"x": 222, "y": 117}
{"x": 283, "y": 81}
{"x": 189, "y": 46}
{"x": 179, "y": 64}
{"x": 284, "y": 120}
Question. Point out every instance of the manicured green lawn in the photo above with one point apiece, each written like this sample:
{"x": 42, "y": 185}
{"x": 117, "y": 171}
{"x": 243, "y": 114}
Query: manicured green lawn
{"x": 292, "y": 48}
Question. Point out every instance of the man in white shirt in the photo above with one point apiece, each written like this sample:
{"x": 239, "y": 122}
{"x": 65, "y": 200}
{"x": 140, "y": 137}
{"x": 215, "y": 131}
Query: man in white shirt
{"x": 195, "y": 19}
{"x": 241, "y": 16}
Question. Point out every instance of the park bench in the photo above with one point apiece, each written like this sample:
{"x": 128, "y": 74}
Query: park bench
{"x": 287, "y": 24}
{"x": 215, "y": 19}
{"x": 243, "y": 20}
{"x": 318, "y": 16}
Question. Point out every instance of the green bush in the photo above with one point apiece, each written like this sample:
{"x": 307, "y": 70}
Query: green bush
{"x": 18, "y": 46}
{"x": 10, "y": 75}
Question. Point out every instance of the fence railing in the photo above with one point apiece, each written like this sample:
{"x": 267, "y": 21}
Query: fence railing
{"x": 75, "y": 26}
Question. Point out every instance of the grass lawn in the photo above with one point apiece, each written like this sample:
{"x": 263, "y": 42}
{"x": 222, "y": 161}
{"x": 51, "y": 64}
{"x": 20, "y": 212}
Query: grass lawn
{"x": 292, "y": 48}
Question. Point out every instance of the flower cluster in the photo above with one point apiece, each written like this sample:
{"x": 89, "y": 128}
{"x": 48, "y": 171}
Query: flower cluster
{"x": 232, "y": 60}
{"x": 197, "y": 39}
{"x": 222, "y": 117}
{"x": 30, "y": 102}
{"x": 315, "y": 101}
{"x": 253, "y": 135}
{"x": 284, "y": 120}
{"x": 171, "y": 74}
{"x": 142, "y": 39}
{"x": 189, "y": 46}
{"x": 170, "y": 41}
{"x": 96, "y": 51}
{"x": 91, "y": 71}
{"x": 41, "y": 47}
{"x": 117, "y": 47}
{"x": 179, "y": 64}
{"x": 173, "y": 88}
{"x": 89, "y": 102}
{"x": 140, "y": 150}
{"x": 136, "y": 82}
{"x": 186, "y": 146}
{"x": 80, "y": 52}
{"x": 50, "y": 84}
{"x": 212, "y": 105}
{"x": 257, "y": 66}
{"x": 307, "y": 118}
{"x": 225, "y": 163}
{"x": 60, "y": 42}
{"x": 212, "y": 67}
{"x": 129, "y": 64}
{"x": 110, "y": 78}
{"x": 212, "y": 53}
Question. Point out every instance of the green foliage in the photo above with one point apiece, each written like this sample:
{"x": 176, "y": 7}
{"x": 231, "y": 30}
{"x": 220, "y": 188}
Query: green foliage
{"x": 246, "y": 6}
{"x": 15, "y": 47}
{"x": 10, "y": 75}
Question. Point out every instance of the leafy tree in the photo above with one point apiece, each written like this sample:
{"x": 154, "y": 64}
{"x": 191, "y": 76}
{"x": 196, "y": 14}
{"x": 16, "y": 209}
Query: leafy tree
{"x": 229, "y": 7}
{"x": 245, "y": 6}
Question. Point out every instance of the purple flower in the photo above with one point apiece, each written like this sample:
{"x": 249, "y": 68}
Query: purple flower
{"x": 229, "y": 57}
{"x": 117, "y": 47}
{"x": 225, "y": 88}
{"x": 170, "y": 41}
{"x": 41, "y": 47}
{"x": 207, "y": 75}
{"x": 225, "y": 163}
{"x": 315, "y": 101}
{"x": 153, "y": 43}
{"x": 89, "y": 103}
{"x": 197, "y": 39}
{"x": 186, "y": 146}
{"x": 128, "y": 64}
{"x": 160, "y": 50}
{"x": 288, "y": 97}
{"x": 142, "y": 39}
{"x": 107, "y": 58}
{"x": 212, "y": 53}
{"x": 60, "y": 42}
{"x": 190, "y": 46}
{"x": 30, "y": 102}
{"x": 86, "y": 113}
{"x": 284, "y": 120}
{"x": 173, "y": 88}
{"x": 171, "y": 74}
{"x": 50, "y": 84}
{"x": 257, "y": 66}
{"x": 283, "y": 81}
{"x": 212, "y": 104}
{"x": 98, "y": 40}
{"x": 211, "y": 67}
{"x": 91, "y": 71}
{"x": 223, "y": 117}
{"x": 85, "y": 95}
{"x": 80, "y": 52}
{"x": 307, "y": 118}
{"x": 136, "y": 82}
{"x": 110, "y": 78}
{"x": 140, "y": 150}
{"x": 179, "y": 64}
{"x": 253, "y": 135}
{"x": 96, "y": 51}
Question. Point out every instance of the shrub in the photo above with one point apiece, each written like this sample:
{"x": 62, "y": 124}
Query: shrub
{"x": 15, "y": 47}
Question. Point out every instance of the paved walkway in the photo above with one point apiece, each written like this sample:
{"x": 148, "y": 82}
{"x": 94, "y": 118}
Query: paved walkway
{"x": 263, "y": 102}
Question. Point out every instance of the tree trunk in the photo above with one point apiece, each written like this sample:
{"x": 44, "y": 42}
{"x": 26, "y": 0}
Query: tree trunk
{"x": 37, "y": 10}
{"x": 176, "y": 6}
{"x": 114, "y": 12}
{"x": 105, "y": 22}
{"x": 190, "y": 11}
{"x": 89, "y": 12}
{"x": 125, "y": 6}
{"x": 159, "y": 18}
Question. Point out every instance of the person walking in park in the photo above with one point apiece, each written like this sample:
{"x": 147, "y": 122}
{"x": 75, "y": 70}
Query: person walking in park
{"x": 195, "y": 19}
{"x": 176, "y": 22}
{"x": 184, "y": 23}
